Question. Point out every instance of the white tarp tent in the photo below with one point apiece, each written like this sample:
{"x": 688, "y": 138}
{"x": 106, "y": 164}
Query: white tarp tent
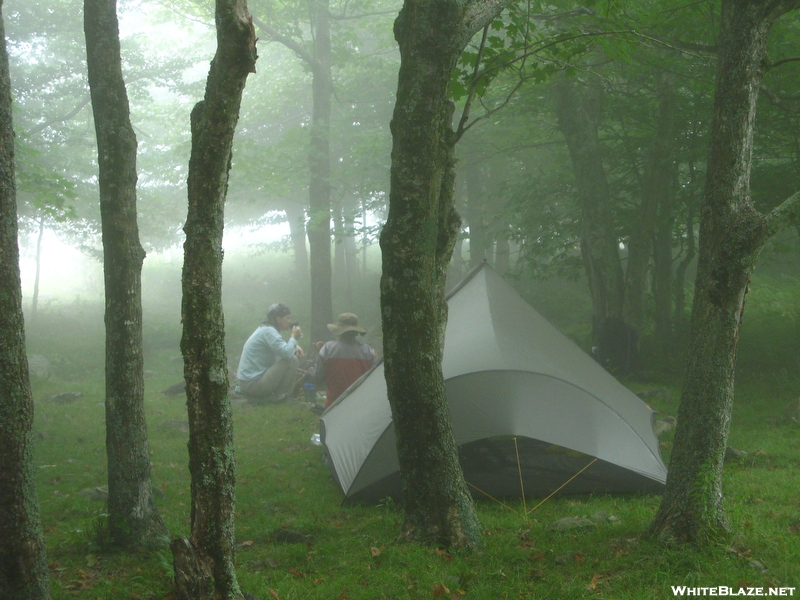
{"x": 515, "y": 385}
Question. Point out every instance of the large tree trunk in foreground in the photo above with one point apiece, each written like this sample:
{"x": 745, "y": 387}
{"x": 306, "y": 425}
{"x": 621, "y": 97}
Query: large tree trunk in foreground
{"x": 133, "y": 518}
{"x": 732, "y": 233}
{"x": 577, "y": 119}
{"x": 23, "y": 566}
{"x": 204, "y": 561}
{"x": 417, "y": 242}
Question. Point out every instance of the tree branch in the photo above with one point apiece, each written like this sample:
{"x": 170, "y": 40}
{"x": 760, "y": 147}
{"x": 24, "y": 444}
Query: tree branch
{"x": 780, "y": 217}
{"x": 290, "y": 43}
{"x": 42, "y": 126}
{"x": 344, "y": 17}
{"x": 783, "y": 61}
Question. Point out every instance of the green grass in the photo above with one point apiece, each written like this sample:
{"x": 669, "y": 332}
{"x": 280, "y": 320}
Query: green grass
{"x": 353, "y": 552}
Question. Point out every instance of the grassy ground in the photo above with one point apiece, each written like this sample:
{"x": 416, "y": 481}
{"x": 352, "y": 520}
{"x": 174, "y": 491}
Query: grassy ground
{"x": 352, "y": 553}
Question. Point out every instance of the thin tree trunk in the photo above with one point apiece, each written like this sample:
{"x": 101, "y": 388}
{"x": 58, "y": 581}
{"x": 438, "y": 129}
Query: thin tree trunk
{"x": 661, "y": 182}
{"x": 319, "y": 222}
{"x": 680, "y": 272}
{"x": 417, "y": 243}
{"x": 502, "y": 254}
{"x": 577, "y": 119}
{"x": 349, "y": 214}
{"x": 23, "y": 564}
{"x": 479, "y": 237}
{"x": 133, "y": 519}
{"x": 204, "y": 563}
{"x": 35, "y": 300}
{"x": 732, "y": 233}
{"x": 297, "y": 230}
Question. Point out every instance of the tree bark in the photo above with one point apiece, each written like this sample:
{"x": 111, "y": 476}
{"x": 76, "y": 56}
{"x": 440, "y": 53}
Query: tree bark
{"x": 417, "y": 242}
{"x": 35, "y": 299}
{"x": 480, "y": 240}
{"x": 660, "y": 183}
{"x": 657, "y": 189}
{"x": 133, "y": 519}
{"x": 296, "y": 216}
{"x": 577, "y": 119}
{"x": 23, "y": 565}
{"x": 319, "y": 188}
{"x": 732, "y": 233}
{"x": 204, "y": 562}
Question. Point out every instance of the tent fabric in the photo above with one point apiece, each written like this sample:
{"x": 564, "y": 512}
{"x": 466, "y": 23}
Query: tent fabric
{"x": 514, "y": 384}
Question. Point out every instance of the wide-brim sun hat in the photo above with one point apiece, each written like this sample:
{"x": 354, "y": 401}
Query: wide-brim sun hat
{"x": 346, "y": 322}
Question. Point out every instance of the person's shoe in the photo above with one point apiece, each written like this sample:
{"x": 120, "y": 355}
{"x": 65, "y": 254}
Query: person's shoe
{"x": 280, "y": 399}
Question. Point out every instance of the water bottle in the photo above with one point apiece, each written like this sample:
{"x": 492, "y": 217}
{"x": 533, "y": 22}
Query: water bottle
{"x": 310, "y": 392}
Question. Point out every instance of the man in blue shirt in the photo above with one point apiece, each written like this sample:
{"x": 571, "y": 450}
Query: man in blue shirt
{"x": 268, "y": 365}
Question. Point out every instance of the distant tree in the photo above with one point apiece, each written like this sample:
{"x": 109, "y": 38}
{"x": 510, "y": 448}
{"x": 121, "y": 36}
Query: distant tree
{"x": 732, "y": 234}
{"x": 23, "y": 566}
{"x": 204, "y": 562}
{"x": 578, "y": 116}
{"x": 133, "y": 518}
{"x": 317, "y": 58}
{"x": 417, "y": 243}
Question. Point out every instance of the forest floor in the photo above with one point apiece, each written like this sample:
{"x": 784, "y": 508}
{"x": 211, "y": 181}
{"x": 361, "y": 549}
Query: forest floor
{"x": 352, "y": 552}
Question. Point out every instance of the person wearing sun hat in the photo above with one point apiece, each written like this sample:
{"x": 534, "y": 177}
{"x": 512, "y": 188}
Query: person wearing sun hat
{"x": 343, "y": 360}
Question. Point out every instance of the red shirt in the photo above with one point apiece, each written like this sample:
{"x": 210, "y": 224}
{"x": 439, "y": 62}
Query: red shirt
{"x": 340, "y": 364}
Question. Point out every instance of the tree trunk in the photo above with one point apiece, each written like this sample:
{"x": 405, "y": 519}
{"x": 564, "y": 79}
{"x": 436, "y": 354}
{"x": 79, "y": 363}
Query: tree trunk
{"x": 349, "y": 215}
{"x": 35, "y": 300}
{"x": 297, "y": 230}
{"x": 133, "y": 518}
{"x": 661, "y": 183}
{"x": 502, "y": 254}
{"x": 656, "y": 187}
{"x": 680, "y": 272}
{"x": 23, "y": 565}
{"x": 319, "y": 161}
{"x": 417, "y": 242}
{"x": 204, "y": 562}
{"x": 577, "y": 119}
{"x": 480, "y": 240}
{"x": 732, "y": 233}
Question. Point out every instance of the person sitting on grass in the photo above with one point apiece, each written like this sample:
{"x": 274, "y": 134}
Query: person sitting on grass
{"x": 268, "y": 365}
{"x": 342, "y": 361}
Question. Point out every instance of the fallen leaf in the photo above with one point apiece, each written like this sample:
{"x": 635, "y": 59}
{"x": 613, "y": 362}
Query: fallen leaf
{"x": 578, "y": 557}
{"x": 444, "y": 554}
{"x": 91, "y": 560}
{"x": 247, "y": 543}
{"x": 274, "y": 594}
{"x": 376, "y": 552}
{"x": 439, "y": 590}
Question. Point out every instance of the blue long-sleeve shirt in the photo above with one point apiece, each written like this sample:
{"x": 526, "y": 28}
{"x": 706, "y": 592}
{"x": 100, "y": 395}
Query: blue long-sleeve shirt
{"x": 261, "y": 350}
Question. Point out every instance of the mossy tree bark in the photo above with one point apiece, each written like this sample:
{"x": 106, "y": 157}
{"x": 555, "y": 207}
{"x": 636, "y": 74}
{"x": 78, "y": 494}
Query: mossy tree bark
{"x": 23, "y": 566}
{"x": 133, "y": 520}
{"x": 732, "y": 233}
{"x": 417, "y": 242}
{"x": 577, "y": 119}
{"x": 204, "y": 562}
